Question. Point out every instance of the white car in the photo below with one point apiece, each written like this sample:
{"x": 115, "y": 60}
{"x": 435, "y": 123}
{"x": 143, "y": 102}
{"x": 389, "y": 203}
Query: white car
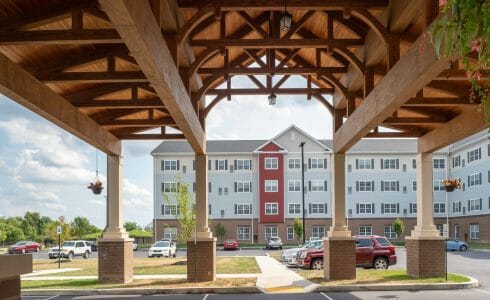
{"x": 162, "y": 248}
{"x": 70, "y": 249}
{"x": 289, "y": 256}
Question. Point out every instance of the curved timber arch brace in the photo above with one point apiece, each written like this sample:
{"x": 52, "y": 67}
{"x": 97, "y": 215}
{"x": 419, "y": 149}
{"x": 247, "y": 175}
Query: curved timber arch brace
{"x": 196, "y": 19}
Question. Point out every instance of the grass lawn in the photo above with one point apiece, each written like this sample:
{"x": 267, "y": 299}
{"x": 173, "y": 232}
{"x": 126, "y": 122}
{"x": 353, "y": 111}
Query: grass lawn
{"x": 173, "y": 283}
{"x": 479, "y": 245}
{"x": 369, "y": 276}
{"x": 151, "y": 266}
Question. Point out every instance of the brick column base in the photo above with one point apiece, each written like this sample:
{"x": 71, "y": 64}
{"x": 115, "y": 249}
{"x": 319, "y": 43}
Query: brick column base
{"x": 425, "y": 258}
{"x": 339, "y": 259}
{"x": 10, "y": 288}
{"x": 115, "y": 261}
{"x": 201, "y": 260}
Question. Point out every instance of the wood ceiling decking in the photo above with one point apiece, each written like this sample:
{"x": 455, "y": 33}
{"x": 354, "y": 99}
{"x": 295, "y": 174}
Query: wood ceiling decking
{"x": 342, "y": 48}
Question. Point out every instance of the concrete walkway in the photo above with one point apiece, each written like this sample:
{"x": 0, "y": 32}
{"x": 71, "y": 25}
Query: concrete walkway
{"x": 155, "y": 277}
{"x": 50, "y": 271}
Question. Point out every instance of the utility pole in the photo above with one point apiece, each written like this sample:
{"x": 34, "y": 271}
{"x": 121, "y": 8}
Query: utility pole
{"x": 301, "y": 145}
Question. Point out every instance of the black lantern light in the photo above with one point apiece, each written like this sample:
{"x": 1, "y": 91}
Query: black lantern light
{"x": 286, "y": 19}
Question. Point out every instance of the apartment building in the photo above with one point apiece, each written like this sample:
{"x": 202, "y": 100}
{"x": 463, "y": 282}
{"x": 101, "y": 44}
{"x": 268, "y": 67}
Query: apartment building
{"x": 255, "y": 186}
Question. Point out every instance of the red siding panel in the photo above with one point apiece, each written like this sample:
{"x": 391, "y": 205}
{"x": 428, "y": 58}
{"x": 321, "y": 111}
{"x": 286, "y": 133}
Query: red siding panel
{"x": 276, "y": 174}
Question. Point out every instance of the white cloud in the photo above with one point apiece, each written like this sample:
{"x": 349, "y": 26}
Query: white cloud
{"x": 97, "y": 202}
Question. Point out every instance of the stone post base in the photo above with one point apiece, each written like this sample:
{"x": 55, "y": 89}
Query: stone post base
{"x": 115, "y": 261}
{"x": 425, "y": 257}
{"x": 201, "y": 260}
{"x": 339, "y": 258}
{"x": 10, "y": 288}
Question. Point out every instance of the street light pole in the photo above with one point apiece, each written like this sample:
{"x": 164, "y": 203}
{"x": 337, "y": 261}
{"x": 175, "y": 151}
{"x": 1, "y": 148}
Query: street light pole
{"x": 301, "y": 145}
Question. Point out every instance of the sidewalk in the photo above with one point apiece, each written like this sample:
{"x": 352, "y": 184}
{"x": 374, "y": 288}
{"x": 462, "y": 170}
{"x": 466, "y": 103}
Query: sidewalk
{"x": 34, "y": 277}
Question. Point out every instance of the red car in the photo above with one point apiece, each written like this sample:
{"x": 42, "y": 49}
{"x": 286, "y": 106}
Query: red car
{"x": 371, "y": 252}
{"x": 230, "y": 245}
{"x": 24, "y": 247}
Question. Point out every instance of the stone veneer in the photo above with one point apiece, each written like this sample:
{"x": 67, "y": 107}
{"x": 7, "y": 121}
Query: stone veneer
{"x": 426, "y": 258}
{"x": 339, "y": 261}
{"x": 115, "y": 261}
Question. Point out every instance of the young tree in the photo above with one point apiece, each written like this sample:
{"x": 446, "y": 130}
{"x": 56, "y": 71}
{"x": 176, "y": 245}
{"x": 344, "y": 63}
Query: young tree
{"x": 130, "y": 226}
{"x": 398, "y": 227}
{"x": 298, "y": 228}
{"x": 81, "y": 227}
{"x": 185, "y": 212}
{"x": 219, "y": 230}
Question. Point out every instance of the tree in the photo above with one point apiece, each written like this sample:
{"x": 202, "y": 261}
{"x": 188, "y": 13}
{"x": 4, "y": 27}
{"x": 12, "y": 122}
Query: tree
{"x": 398, "y": 227}
{"x": 3, "y": 232}
{"x": 219, "y": 231}
{"x": 130, "y": 226}
{"x": 52, "y": 234}
{"x": 185, "y": 210}
{"x": 14, "y": 234}
{"x": 298, "y": 228}
{"x": 80, "y": 227}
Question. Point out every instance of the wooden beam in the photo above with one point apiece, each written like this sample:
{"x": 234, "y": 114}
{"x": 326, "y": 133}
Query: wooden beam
{"x": 152, "y": 136}
{"x": 440, "y": 101}
{"x": 20, "y": 86}
{"x": 137, "y": 26}
{"x": 409, "y": 75}
{"x": 276, "y": 71}
{"x": 393, "y": 135}
{"x": 138, "y": 123}
{"x": 120, "y": 103}
{"x": 61, "y": 37}
{"x": 412, "y": 121}
{"x": 275, "y": 43}
{"x": 266, "y": 91}
{"x": 232, "y": 5}
{"x": 466, "y": 124}
{"x": 95, "y": 77}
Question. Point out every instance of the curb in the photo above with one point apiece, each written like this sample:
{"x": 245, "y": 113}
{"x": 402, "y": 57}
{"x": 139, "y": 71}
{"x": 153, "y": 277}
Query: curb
{"x": 473, "y": 283}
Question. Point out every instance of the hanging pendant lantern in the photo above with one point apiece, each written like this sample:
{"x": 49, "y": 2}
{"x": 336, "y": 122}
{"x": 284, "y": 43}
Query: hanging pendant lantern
{"x": 272, "y": 99}
{"x": 96, "y": 185}
{"x": 286, "y": 19}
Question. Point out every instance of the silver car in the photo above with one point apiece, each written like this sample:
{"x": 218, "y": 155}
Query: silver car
{"x": 289, "y": 256}
{"x": 273, "y": 242}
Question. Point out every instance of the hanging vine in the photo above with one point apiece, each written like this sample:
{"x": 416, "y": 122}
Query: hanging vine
{"x": 463, "y": 30}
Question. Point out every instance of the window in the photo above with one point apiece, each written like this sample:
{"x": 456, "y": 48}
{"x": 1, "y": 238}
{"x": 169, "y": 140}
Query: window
{"x": 169, "y": 209}
{"x": 389, "y": 208}
{"x": 221, "y": 165}
{"x": 243, "y": 209}
{"x": 474, "y": 155}
{"x": 170, "y": 233}
{"x": 438, "y": 185}
{"x": 390, "y": 233}
{"x": 363, "y": 243}
{"x": 439, "y": 163}
{"x": 318, "y": 208}
{"x": 474, "y": 179}
{"x": 290, "y": 233}
{"x": 457, "y": 161}
{"x": 271, "y": 163}
{"x": 220, "y": 191}
{"x": 243, "y": 187}
{"x": 294, "y": 208}
{"x": 209, "y": 209}
{"x": 222, "y": 213}
{"x": 317, "y": 232}
{"x": 392, "y": 163}
{"x": 364, "y": 163}
{"x": 439, "y": 208}
{"x": 271, "y": 231}
{"x": 365, "y": 208}
{"x": 225, "y": 191}
{"x": 440, "y": 227}
{"x": 456, "y": 231}
{"x": 169, "y": 165}
{"x": 457, "y": 207}
{"x": 271, "y": 185}
{"x": 294, "y": 163}
{"x": 294, "y": 185}
{"x": 365, "y": 230}
{"x": 364, "y": 186}
{"x": 271, "y": 209}
{"x": 317, "y": 163}
{"x": 390, "y": 186}
{"x": 243, "y": 233}
{"x": 414, "y": 163}
{"x": 474, "y": 204}
{"x": 169, "y": 187}
{"x": 414, "y": 186}
{"x": 317, "y": 185}
{"x": 474, "y": 231}
{"x": 243, "y": 164}
{"x": 413, "y": 208}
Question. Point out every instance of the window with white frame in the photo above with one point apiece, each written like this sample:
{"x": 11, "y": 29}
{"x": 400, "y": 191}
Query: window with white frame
{"x": 474, "y": 179}
{"x": 294, "y": 208}
{"x": 456, "y": 231}
{"x": 271, "y": 231}
{"x": 271, "y": 163}
{"x": 170, "y": 233}
{"x": 317, "y": 231}
{"x": 365, "y": 230}
{"x": 439, "y": 163}
{"x": 438, "y": 185}
{"x": 294, "y": 185}
{"x": 390, "y": 233}
{"x": 457, "y": 161}
{"x": 243, "y": 233}
{"x": 317, "y": 186}
{"x": 318, "y": 208}
{"x": 169, "y": 209}
{"x": 294, "y": 163}
{"x": 366, "y": 208}
{"x": 413, "y": 208}
{"x": 390, "y": 208}
{"x": 439, "y": 208}
{"x": 414, "y": 163}
{"x": 457, "y": 207}
{"x": 271, "y": 186}
{"x": 317, "y": 163}
{"x": 290, "y": 233}
{"x": 170, "y": 165}
{"x": 474, "y": 231}
{"x": 474, "y": 155}
{"x": 169, "y": 187}
{"x": 474, "y": 204}
{"x": 271, "y": 209}
{"x": 243, "y": 209}
{"x": 221, "y": 164}
{"x": 391, "y": 163}
{"x": 365, "y": 186}
{"x": 414, "y": 185}
{"x": 243, "y": 187}
{"x": 389, "y": 186}
{"x": 243, "y": 164}
{"x": 365, "y": 163}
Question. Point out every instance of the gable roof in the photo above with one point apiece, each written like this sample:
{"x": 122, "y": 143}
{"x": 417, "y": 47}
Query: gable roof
{"x": 292, "y": 126}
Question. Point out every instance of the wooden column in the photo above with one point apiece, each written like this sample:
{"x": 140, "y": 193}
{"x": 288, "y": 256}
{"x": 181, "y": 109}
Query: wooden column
{"x": 339, "y": 228}
{"x": 202, "y": 229}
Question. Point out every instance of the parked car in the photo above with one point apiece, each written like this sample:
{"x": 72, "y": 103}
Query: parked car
{"x": 93, "y": 246}
{"x": 371, "y": 252}
{"x": 273, "y": 242}
{"x": 289, "y": 256}
{"x": 24, "y": 247}
{"x": 456, "y": 245}
{"x": 70, "y": 249}
{"x": 230, "y": 244}
{"x": 162, "y": 248}
{"x": 135, "y": 246}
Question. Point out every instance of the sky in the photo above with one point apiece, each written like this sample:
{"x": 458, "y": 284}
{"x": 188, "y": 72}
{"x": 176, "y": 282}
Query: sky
{"x": 45, "y": 169}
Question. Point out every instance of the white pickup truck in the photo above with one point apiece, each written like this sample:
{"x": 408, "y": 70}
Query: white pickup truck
{"x": 70, "y": 249}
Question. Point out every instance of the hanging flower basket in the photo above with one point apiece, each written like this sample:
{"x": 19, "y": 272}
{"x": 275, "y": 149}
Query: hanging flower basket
{"x": 96, "y": 187}
{"x": 451, "y": 183}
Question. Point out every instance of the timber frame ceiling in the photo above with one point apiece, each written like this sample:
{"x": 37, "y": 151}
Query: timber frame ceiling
{"x": 107, "y": 59}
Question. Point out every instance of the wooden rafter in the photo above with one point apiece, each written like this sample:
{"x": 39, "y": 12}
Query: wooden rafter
{"x": 231, "y": 5}
{"x": 61, "y": 37}
{"x": 274, "y": 43}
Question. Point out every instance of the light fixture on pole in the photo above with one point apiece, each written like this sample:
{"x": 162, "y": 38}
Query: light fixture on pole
{"x": 272, "y": 99}
{"x": 302, "y": 146}
{"x": 286, "y": 19}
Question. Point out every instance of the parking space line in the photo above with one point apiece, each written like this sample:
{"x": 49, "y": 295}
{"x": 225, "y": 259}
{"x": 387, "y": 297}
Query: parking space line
{"x": 481, "y": 291}
{"x": 205, "y": 297}
{"x": 326, "y": 296}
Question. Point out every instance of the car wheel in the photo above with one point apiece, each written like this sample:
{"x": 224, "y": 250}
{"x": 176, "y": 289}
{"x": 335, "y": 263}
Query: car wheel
{"x": 380, "y": 263}
{"x": 175, "y": 254}
{"x": 23, "y": 251}
{"x": 280, "y": 248}
{"x": 70, "y": 256}
{"x": 317, "y": 264}
{"x": 463, "y": 248}
{"x": 37, "y": 249}
{"x": 86, "y": 254}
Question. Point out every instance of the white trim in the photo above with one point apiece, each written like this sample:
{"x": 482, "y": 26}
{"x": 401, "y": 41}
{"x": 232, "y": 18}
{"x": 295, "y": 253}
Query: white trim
{"x": 281, "y": 148}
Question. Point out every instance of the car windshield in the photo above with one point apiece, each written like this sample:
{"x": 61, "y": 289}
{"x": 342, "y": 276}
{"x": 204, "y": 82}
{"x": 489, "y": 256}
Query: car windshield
{"x": 68, "y": 244}
{"x": 383, "y": 242}
{"x": 162, "y": 244}
{"x": 20, "y": 243}
{"x": 275, "y": 239}
{"x": 307, "y": 245}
